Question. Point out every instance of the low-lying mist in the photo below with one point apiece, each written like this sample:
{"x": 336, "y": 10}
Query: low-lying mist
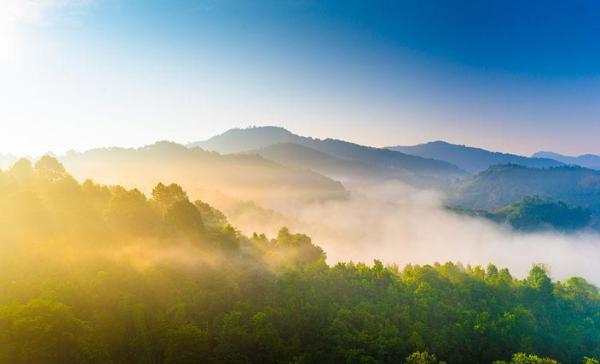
{"x": 398, "y": 224}
{"x": 392, "y": 221}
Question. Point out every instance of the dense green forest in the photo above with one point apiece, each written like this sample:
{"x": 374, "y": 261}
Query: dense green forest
{"x": 101, "y": 274}
{"x": 534, "y": 214}
{"x": 501, "y": 185}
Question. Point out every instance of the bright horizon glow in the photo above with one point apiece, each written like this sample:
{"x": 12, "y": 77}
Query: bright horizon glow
{"x": 79, "y": 74}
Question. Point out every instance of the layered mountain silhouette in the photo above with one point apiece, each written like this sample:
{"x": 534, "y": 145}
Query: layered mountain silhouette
{"x": 247, "y": 177}
{"x": 345, "y": 170}
{"x": 329, "y": 156}
{"x": 501, "y": 185}
{"x": 585, "y": 160}
{"x": 470, "y": 159}
{"x": 275, "y": 167}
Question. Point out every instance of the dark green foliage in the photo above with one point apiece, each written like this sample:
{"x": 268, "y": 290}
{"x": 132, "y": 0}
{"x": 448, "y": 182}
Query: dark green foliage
{"x": 41, "y": 331}
{"x": 521, "y": 358}
{"x": 504, "y": 184}
{"x": 422, "y": 358}
{"x": 535, "y": 213}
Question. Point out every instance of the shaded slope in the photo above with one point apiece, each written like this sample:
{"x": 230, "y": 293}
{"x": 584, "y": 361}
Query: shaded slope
{"x": 501, "y": 185}
{"x": 535, "y": 214}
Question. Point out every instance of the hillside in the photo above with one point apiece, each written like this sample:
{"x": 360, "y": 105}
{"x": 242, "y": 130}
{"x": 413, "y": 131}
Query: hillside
{"x": 247, "y": 177}
{"x": 473, "y": 160}
{"x": 585, "y": 160}
{"x": 300, "y": 156}
{"x": 244, "y": 140}
{"x": 91, "y": 273}
{"x": 504, "y": 184}
{"x": 535, "y": 214}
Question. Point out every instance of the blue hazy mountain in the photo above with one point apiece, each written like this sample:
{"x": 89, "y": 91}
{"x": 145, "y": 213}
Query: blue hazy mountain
{"x": 300, "y": 156}
{"x": 470, "y": 159}
{"x": 317, "y": 152}
{"x": 585, "y": 160}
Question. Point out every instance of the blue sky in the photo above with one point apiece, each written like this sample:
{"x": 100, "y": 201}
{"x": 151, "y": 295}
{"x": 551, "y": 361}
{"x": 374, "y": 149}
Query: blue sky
{"x": 506, "y": 75}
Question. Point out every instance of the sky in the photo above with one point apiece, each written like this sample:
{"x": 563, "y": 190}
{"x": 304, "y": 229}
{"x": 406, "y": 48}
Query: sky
{"x": 511, "y": 76}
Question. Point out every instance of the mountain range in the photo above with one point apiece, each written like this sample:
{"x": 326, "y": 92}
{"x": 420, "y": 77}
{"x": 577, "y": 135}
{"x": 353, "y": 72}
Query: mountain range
{"x": 504, "y": 184}
{"x": 335, "y": 158}
{"x": 275, "y": 167}
{"x": 243, "y": 176}
{"x": 473, "y": 160}
{"x": 585, "y": 160}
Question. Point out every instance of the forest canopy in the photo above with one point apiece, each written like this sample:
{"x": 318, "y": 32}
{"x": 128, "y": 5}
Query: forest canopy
{"x": 91, "y": 273}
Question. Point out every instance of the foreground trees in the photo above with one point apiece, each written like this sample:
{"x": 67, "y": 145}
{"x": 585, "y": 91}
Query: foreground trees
{"x": 99, "y": 274}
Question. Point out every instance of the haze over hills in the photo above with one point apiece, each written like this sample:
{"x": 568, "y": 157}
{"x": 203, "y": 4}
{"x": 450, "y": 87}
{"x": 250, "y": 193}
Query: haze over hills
{"x": 298, "y": 155}
{"x": 310, "y": 242}
{"x": 473, "y": 160}
{"x": 345, "y": 170}
{"x": 95, "y": 274}
{"x": 585, "y": 160}
{"x": 504, "y": 184}
{"x": 246, "y": 177}
{"x": 382, "y": 160}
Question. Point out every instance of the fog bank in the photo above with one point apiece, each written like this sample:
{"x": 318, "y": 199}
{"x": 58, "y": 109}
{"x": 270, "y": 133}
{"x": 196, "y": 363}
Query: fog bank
{"x": 399, "y": 224}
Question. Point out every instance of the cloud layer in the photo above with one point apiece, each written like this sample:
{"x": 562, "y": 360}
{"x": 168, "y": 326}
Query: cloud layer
{"x": 398, "y": 224}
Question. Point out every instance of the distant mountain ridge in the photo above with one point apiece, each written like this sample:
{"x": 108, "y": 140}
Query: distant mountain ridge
{"x": 501, "y": 185}
{"x": 256, "y": 139}
{"x": 471, "y": 159}
{"x": 300, "y": 156}
{"x": 247, "y": 177}
{"x": 239, "y": 140}
{"x": 585, "y": 160}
